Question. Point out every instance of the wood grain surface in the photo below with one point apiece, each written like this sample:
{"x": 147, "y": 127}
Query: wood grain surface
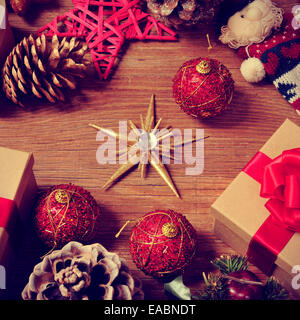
{"x": 64, "y": 146}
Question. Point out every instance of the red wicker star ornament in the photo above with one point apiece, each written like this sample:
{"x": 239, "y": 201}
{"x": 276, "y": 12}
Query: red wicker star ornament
{"x": 105, "y": 26}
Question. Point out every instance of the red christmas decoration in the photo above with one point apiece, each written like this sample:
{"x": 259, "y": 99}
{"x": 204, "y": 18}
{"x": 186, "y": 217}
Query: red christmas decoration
{"x": 162, "y": 243}
{"x": 203, "y": 87}
{"x": 244, "y": 291}
{"x": 66, "y": 213}
{"x": 105, "y": 26}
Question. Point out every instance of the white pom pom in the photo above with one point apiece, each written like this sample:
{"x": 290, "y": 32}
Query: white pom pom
{"x": 253, "y": 70}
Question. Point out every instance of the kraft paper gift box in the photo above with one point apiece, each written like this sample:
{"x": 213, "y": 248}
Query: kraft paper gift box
{"x": 241, "y": 214}
{"x": 6, "y": 35}
{"x": 17, "y": 195}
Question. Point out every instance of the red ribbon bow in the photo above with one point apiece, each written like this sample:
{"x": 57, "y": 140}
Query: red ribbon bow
{"x": 280, "y": 181}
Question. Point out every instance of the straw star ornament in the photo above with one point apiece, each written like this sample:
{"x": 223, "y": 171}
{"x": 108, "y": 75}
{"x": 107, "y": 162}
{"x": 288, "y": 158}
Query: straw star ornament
{"x": 145, "y": 148}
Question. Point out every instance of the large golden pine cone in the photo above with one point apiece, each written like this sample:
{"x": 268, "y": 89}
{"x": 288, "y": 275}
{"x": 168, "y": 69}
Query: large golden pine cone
{"x": 42, "y": 67}
{"x": 175, "y": 13}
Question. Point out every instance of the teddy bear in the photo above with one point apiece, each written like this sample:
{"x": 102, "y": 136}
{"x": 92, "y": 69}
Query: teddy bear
{"x": 265, "y": 38}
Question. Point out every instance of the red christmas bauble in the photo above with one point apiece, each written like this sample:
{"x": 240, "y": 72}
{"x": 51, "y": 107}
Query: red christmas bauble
{"x": 162, "y": 243}
{"x": 244, "y": 291}
{"x": 203, "y": 87}
{"x": 66, "y": 213}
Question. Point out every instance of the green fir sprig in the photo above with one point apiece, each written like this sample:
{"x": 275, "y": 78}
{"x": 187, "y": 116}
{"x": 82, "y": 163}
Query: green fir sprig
{"x": 274, "y": 291}
{"x": 215, "y": 288}
{"x": 230, "y": 263}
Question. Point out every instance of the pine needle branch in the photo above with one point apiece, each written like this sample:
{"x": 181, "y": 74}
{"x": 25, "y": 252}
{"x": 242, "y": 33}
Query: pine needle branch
{"x": 230, "y": 263}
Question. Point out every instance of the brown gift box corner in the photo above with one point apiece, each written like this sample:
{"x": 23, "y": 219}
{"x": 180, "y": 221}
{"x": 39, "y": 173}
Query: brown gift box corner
{"x": 240, "y": 211}
{"x": 17, "y": 183}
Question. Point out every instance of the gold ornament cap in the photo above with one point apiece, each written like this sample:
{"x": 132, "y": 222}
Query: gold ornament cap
{"x": 170, "y": 230}
{"x": 61, "y": 196}
{"x": 203, "y": 67}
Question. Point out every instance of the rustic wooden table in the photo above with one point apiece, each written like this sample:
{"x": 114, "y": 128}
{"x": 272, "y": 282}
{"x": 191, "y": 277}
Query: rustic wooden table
{"x": 64, "y": 146}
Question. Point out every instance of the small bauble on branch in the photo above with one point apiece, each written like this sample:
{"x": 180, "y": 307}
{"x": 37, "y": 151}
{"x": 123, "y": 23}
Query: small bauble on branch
{"x": 66, "y": 213}
{"x": 162, "y": 243}
{"x": 236, "y": 282}
{"x": 78, "y": 272}
{"x": 43, "y": 68}
{"x": 203, "y": 87}
{"x": 243, "y": 285}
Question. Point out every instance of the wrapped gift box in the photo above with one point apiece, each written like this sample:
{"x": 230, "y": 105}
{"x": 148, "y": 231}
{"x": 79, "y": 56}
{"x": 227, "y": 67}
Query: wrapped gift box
{"x": 242, "y": 212}
{"x": 6, "y": 35}
{"x": 17, "y": 195}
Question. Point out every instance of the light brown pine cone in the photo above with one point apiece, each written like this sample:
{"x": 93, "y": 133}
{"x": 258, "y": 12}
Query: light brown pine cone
{"x": 43, "y": 68}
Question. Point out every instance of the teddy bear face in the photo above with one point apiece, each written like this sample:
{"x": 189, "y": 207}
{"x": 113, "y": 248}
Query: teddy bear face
{"x": 248, "y": 23}
{"x": 252, "y": 24}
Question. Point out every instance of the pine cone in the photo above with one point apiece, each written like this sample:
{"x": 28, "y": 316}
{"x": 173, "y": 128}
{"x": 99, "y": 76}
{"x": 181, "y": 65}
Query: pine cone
{"x": 78, "y": 272}
{"x": 41, "y": 67}
{"x": 183, "y": 12}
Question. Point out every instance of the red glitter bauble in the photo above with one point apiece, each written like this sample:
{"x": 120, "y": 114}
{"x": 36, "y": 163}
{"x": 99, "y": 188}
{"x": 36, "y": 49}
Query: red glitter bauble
{"x": 66, "y": 213}
{"x": 203, "y": 87}
{"x": 162, "y": 243}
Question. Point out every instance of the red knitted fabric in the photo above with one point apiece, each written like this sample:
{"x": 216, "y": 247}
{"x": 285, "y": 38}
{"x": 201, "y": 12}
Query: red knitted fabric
{"x": 162, "y": 243}
{"x": 64, "y": 213}
{"x": 203, "y": 95}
